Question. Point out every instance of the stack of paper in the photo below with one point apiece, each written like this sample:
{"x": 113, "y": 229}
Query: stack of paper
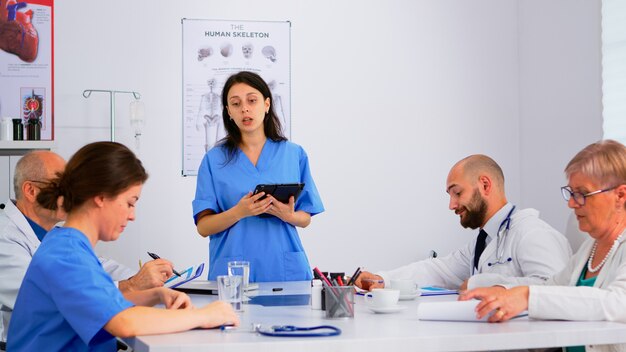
{"x": 451, "y": 311}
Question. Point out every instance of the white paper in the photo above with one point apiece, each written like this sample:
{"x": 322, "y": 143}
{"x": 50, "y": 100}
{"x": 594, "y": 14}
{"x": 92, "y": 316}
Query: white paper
{"x": 451, "y": 311}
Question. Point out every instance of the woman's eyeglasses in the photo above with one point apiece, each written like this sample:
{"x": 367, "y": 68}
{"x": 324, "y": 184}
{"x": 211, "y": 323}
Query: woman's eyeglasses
{"x": 579, "y": 197}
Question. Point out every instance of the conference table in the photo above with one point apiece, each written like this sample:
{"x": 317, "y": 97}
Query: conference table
{"x": 369, "y": 331}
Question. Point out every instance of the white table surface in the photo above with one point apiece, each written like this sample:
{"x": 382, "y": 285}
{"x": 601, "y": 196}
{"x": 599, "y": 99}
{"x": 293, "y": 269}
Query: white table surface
{"x": 368, "y": 331}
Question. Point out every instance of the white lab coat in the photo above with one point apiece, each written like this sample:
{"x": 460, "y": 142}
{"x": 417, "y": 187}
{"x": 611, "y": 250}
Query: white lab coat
{"x": 18, "y": 243}
{"x": 536, "y": 249}
{"x": 559, "y": 299}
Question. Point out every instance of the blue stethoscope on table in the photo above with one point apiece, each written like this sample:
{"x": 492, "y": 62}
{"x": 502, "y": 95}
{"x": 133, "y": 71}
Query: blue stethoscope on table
{"x": 503, "y": 231}
{"x": 293, "y": 331}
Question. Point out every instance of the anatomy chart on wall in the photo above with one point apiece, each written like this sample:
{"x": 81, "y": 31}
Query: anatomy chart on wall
{"x": 26, "y": 64}
{"x": 212, "y": 51}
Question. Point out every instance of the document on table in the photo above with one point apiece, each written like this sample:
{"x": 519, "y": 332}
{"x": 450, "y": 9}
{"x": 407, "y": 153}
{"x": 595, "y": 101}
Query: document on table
{"x": 437, "y": 291}
{"x": 185, "y": 276}
{"x": 451, "y": 311}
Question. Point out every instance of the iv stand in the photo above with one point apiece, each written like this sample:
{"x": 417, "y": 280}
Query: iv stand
{"x": 87, "y": 94}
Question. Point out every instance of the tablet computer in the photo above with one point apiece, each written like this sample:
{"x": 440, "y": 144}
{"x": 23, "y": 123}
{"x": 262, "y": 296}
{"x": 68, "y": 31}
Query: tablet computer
{"x": 281, "y": 191}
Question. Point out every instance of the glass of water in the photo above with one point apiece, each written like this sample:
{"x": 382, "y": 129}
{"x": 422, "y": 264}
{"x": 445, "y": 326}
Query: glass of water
{"x": 230, "y": 289}
{"x": 241, "y": 268}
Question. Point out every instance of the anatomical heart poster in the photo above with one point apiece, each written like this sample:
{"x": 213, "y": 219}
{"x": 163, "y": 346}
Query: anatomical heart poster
{"x": 213, "y": 50}
{"x": 26, "y": 65}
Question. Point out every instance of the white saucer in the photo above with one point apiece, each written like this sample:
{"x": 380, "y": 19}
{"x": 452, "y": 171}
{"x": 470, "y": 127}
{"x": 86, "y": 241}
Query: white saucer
{"x": 392, "y": 309}
{"x": 410, "y": 296}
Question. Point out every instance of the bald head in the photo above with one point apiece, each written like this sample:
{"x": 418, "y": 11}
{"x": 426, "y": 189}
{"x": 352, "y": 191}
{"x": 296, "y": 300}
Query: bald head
{"x": 36, "y": 166}
{"x": 477, "y": 165}
{"x": 476, "y": 189}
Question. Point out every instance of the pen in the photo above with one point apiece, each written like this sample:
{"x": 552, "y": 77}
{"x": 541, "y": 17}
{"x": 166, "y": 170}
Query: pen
{"x": 154, "y": 256}
{"x": 322, "y": 277}
{"x": 357, "y": 276}
{"x": 339, "y": 281}
{"x": 227, "y": 327}
{"x": 354, "y": 276}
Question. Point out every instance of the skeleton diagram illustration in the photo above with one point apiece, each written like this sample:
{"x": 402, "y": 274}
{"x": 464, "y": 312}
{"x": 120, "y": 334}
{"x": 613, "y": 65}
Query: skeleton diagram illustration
{"x": 226, "y": 49}
{"x": 277, "y": 103}
{"x": 210, "y": 116}
{"x": 247, "y": 50}
{"x": 269, "y": 52}
{"x": 204, "y": 53}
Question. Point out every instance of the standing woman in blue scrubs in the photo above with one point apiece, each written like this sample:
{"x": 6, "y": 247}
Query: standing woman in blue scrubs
{"x": 67, "y": 302}
{"x": 242, "y": 226}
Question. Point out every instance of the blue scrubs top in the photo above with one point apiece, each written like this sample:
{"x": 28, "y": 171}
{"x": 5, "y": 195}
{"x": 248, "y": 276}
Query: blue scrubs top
{"x": 271, "y": 245}
{"x": 66, "y": 298}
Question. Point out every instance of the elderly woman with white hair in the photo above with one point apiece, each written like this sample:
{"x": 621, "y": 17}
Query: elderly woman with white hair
{"x": 593, "y": 284}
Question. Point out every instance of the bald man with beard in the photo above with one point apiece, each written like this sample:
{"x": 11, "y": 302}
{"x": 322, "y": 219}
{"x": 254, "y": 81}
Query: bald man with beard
{"x": 513, "y": 246}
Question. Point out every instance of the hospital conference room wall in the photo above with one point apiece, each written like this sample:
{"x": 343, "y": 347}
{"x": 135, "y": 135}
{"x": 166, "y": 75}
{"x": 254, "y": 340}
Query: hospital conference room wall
{"x": 386, "y": 96}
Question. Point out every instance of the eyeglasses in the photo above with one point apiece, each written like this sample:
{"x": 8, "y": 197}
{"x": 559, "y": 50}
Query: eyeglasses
{"x": 580, "y": 198}
{"x": 42, "y": 182}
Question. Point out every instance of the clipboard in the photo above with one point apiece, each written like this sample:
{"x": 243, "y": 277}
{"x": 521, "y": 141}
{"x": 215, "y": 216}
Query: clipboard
{"x": 197, "y": 274}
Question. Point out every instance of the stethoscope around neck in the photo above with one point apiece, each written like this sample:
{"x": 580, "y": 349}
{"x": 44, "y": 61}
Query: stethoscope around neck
{"x": 503, "y": 231}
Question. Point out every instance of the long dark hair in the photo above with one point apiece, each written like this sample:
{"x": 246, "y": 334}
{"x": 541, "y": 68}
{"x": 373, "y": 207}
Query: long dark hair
{"x": 106, "y": 168}
{"x": 271, "y": 122}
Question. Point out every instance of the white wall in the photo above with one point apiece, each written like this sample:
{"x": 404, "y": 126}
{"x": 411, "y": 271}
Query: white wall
{"x": 560, "y": 96}
{"x": 386, "y": 97}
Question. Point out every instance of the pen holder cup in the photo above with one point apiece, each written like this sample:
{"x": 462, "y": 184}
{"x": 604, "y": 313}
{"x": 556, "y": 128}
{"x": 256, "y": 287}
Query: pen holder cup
{"x": 339, "y": 302}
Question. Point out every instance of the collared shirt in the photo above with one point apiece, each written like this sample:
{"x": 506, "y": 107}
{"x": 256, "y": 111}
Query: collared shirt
{"x": 496, "y": 222}
{"x": 40, "y": 232}
{"x": 536, "y": 251}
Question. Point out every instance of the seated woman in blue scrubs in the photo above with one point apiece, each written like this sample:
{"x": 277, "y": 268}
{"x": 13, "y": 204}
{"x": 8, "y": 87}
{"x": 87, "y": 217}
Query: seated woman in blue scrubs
{"x": 242, "y": 226}
{"x": 67, "y": 302}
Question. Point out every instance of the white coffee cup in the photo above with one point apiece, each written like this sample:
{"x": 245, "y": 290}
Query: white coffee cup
{"x": 405, "y": 286}
{"x": 382, "y": 297}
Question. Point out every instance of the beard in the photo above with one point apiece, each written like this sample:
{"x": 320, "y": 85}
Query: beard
{"x": 475, "y": 212}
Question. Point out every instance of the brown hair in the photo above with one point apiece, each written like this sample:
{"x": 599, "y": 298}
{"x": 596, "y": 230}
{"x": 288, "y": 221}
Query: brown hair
{"x": 106, "y": 168}
{"x": 271, "y": 122}
{"x": 604, "y": 162}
